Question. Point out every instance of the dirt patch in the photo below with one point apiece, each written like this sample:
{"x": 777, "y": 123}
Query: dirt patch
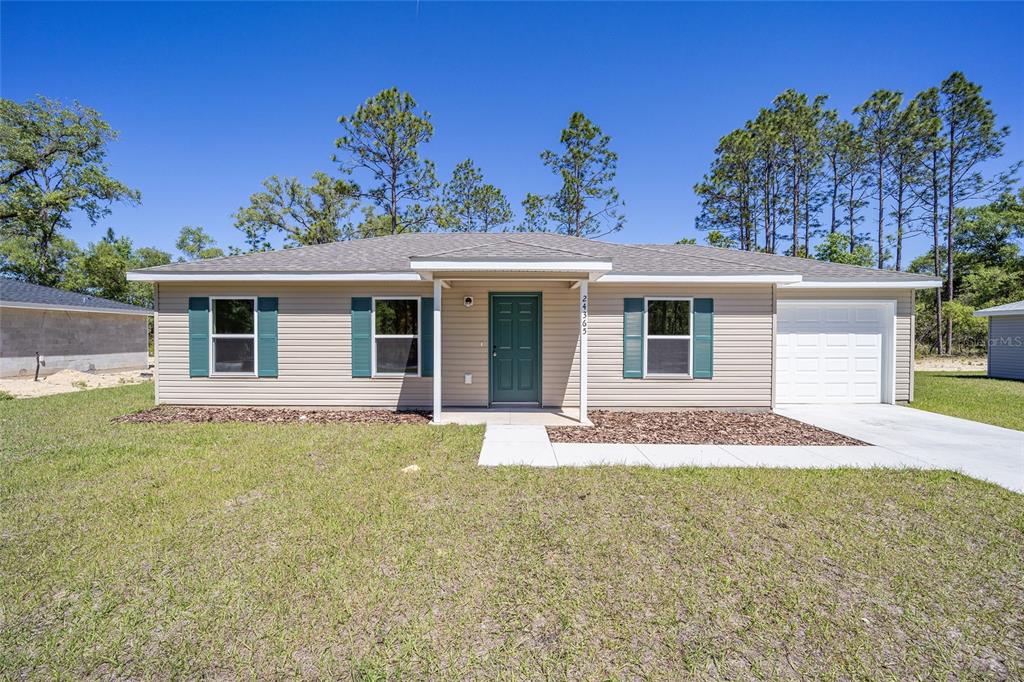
{"x": 70, "y": 381}
{"x": 170, "y": 414}
{"x": 697, "y": 427}
{"x": 950, "y": 363}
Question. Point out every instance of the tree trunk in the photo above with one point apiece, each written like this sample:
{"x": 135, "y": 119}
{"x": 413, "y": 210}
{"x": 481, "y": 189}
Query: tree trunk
{"x": 835, "y": 196}
{"x": 881, "y": 213}
{"x": 949, "y": 231}
{"x": 850, "y": 217}
{"x": 796, "y": 210}
{"x": 935, "y": 250}
{"x": 899, "y": 226}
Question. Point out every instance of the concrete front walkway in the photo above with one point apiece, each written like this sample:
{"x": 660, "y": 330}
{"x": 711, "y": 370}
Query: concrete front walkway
{"x": 901, "y": 438}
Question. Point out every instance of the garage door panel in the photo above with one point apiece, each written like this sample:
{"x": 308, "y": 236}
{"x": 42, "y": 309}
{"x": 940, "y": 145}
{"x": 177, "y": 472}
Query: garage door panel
{"x": 829, "y": 353}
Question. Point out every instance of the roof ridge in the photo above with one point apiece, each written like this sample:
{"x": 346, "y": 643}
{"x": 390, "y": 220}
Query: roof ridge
{"x": 512, "y": 238}
{"x": 866, "y": 268}
{"x": 649, "y": 247}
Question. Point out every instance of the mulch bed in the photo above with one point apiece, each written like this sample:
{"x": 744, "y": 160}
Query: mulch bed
{"x": 697, "y": 427}
{"x": 170, "y": 414}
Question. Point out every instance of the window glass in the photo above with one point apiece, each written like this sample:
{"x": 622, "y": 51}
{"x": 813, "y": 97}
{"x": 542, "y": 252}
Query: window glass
{"x": 233, "y": 355}
{"x": 233, "y": 316}
{"x": 668, "y": 318}
{"x": 397, "y": 355}
{"x": 396, "y": 317}
{"x": 668, "y": 356}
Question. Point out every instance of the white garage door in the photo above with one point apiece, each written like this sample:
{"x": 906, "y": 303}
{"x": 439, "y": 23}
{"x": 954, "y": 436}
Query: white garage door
{"x": 832, "y": 352}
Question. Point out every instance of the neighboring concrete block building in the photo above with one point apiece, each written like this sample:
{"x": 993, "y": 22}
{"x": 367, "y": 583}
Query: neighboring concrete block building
{"x": 69, "y": 331}
{"x": 1005, "y": 340}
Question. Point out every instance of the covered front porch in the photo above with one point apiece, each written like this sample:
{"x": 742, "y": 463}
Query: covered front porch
{"x": 510, "y": 340}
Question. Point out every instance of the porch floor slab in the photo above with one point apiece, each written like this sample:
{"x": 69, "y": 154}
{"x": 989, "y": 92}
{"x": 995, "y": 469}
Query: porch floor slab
{"x": 511, "y": 416}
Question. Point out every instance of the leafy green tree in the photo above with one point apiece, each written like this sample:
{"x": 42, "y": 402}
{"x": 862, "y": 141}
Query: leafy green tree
{"x": 720, "y": 240}
{"x": 468, "y": 204}
{"x": 382, "y": 138}
{"x": 19, "y": 258}
{"x": 303, "y": 215}
{"x": 971, "y": 138}
{"x": 835, "y": 248}
{"x": 195, "y": 244}
{"x": 729, "y": 192}
{"x": 877, "y": 123}
{"x": 588, "y": 204}
{"x": 798, "y": 123}
{"x": 929, "y": 191}
{"x": 52, "y": 164}
{"x": 534, "y": 214}
{"x": 101, "y": 270}
{"x": 686, "y": 240}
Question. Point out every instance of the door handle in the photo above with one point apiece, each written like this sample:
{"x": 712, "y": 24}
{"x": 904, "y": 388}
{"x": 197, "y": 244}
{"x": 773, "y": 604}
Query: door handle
{"x": 494, "y": 351}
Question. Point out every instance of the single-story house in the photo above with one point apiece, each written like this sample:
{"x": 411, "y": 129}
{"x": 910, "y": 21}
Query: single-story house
{"x": 437, "y": 320}
{"x": 1005, "y": 340}
{"x": 68, "y": 331}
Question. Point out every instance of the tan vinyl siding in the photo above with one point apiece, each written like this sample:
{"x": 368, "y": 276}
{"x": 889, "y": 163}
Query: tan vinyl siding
{"x": 743, "y": 349}
{"x": 314, "y": 347}
{"x": 465, "y": 346}
{"x": 904, "y": 323}
{"x": 314, "y": 350}
{"x": 1006, "y": 347}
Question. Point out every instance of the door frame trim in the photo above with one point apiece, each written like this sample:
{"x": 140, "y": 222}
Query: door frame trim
{"x": 491, "y": 295}
{"x": 888, "y": 377}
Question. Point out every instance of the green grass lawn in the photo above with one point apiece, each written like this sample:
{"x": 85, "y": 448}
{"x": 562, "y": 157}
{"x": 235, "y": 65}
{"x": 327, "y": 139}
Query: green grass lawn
{"x": 240, "y": 550}
{"x": 971, "y": 395}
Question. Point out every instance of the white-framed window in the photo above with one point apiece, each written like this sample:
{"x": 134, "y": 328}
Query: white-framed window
{"x": 233, "y": 336}
{"x": 668, "y": 325}
{"x": 396, "y": 336}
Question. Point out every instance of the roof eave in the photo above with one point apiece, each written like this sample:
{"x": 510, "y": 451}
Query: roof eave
{"x": 999, "y": 313}
{"x": 865, "y": 284}
{"x": 144, "y": 276}
{"x": 29, "y": 305}
{"x": 438, "y": 265}
{"x": 702, "y": 279}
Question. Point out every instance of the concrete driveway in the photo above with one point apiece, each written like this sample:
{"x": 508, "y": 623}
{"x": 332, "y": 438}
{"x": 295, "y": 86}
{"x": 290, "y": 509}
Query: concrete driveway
{"x": 988, "y": 452}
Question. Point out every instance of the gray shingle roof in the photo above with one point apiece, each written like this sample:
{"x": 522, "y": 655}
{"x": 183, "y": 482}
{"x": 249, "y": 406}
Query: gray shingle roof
{"x": 392, "y": 254}
{"x": 1014, "y": 308}
{"x": 28, "y": 295}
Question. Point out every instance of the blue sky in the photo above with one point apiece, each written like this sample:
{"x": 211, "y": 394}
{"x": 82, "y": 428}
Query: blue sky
{"x": 211, "y": 98}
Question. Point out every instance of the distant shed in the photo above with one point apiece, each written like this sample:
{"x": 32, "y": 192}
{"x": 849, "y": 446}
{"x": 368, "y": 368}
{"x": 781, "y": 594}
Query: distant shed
{"x": 1005, "y": 340}
{"x": 68, "y": 330}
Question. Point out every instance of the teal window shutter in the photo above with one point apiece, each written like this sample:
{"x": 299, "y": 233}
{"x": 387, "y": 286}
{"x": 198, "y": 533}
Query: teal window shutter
{"x": 198, "y": 336}
{"x": 427, "y": 337}
{"x": 362, "y": 322}
{"x": 703, "y": 337}
{"x": 633, "y": 338}
{"x": 266, "y": 345}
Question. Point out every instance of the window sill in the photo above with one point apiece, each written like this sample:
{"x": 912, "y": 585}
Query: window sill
{"x": 657, "y": 377}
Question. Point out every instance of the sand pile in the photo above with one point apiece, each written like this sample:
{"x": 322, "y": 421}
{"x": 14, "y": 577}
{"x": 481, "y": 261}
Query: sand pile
{"x": 67, "y": 381}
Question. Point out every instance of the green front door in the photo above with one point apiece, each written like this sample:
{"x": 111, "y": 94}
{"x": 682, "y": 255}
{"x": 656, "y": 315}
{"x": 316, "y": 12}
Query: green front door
{"x": 515, "y": 348}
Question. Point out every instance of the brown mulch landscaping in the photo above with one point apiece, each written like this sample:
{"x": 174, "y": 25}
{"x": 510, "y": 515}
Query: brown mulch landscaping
{"x": 170, "y": 414}
{"x": 697, "y": 427}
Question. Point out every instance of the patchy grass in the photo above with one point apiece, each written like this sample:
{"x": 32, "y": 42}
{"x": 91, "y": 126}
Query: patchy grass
{"x": 971, "y": 395}
{"x": 302, "y": 550}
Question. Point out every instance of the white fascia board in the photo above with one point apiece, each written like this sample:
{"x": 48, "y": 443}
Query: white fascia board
{"x": 998, "y": 313}
{"x": 513, "y": 266}
{"x": 702, "y": 279}
{"x": 24, "y": 305}
{"x": 868, "y": 284}
{"x": 274, "y": 277}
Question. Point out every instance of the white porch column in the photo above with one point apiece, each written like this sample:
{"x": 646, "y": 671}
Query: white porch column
{"x": 437, "y": 351}
{"x": 584, "y": 304}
